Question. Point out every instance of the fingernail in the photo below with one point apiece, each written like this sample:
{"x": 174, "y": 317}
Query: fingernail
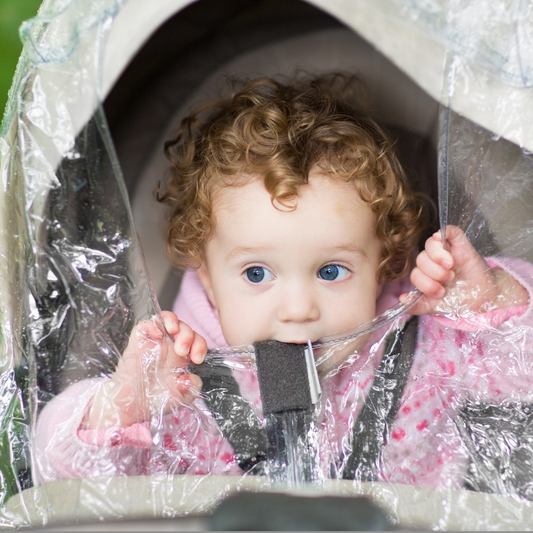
{"x": 197, "y": 358}
{"x": 188, "y": 390}
{"x": 183, "y": 350}
{"x": 450, "y": 276}
{"x": 447, "y": 264}
{"x": 184, "y": 385}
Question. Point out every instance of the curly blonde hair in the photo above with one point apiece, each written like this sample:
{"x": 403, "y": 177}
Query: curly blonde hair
{"x": 278, "y": 132}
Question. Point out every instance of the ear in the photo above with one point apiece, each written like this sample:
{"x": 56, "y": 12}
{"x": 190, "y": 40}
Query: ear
{"x": 205, "y": 280}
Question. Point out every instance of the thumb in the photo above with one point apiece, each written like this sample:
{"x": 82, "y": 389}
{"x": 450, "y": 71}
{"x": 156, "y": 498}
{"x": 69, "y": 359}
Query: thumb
{"x": 455, "y": 237}
{"x": 189, "y": 386}
{"x": 422, "y": 306}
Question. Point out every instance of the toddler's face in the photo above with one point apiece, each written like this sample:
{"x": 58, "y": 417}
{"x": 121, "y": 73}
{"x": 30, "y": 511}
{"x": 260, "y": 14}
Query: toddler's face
{"x": 292, "y": 275}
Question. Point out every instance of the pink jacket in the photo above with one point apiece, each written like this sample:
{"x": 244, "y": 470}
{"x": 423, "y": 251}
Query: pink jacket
{"x": 489, "y": 358}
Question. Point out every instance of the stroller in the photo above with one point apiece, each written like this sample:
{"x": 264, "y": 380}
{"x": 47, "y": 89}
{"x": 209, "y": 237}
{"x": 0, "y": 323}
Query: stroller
{"x": 100, "y": 86}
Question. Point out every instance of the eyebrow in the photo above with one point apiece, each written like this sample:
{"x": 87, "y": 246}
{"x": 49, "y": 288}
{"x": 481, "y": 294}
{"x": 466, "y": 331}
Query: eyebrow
{"x": 351, "y": 248}
{"x": 243, "y": 250}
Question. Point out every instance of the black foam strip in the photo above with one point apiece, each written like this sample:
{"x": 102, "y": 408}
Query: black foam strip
{"x": 282, "y": 374}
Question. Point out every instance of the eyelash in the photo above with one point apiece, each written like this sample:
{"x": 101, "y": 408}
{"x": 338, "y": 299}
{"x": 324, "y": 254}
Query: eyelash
{"x": 249, "y": 272}
{"x": 260, "y": 272}
{"x": 338, "y": 268}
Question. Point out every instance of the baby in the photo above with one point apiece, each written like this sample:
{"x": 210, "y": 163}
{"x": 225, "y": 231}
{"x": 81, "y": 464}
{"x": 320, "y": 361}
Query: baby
{"x": 295, "y": 222}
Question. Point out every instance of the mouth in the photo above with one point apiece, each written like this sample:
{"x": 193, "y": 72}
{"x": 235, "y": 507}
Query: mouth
{"x": 299, "y": 338}
{"x": 299, "y": 341}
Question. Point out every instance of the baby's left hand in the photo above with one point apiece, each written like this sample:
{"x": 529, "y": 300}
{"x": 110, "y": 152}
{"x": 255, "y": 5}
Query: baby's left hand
{"x": 459, "y": 281}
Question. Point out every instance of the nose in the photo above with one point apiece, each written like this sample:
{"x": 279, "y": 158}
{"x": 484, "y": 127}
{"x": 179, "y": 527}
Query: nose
{"x": 299, "y": 304}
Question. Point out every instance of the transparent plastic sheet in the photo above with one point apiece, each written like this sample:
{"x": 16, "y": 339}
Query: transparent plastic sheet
{"x": 491, "y": 47}
{"x": 74, "y": 280}
{"x": 455, "y": 413}
{"x": 489, "y": 196}
{"x": 495, "y": 36}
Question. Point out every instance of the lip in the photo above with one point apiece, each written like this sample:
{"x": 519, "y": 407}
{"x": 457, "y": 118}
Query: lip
{"x": 297, "y": 341}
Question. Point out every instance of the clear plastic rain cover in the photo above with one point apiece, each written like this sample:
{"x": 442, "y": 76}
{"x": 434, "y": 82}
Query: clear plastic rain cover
{"x": 430, "y": 417}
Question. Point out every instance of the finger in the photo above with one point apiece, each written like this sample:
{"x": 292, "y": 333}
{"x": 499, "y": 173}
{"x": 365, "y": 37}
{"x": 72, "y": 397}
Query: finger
{"x": 432, "y": 269}
{"x": 458, "y": 242}
{"x": 171, "y": 322}
{"x": 183, "y": 340}
{"x": 424, "y": 306}
{"x": 437, "y": 253}
{"x": 189, "y": 386}
{"x": 455, "y": 235}
{"x": 426, "y": 284}
{"x": 150, "y": 329}
{"x": 464, "y": 252}
{"x": 145, "y": 342}
{"x": 198, "y": 349}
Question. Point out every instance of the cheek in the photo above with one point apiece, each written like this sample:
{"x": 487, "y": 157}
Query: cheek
{"x": 229, "y": 330}
{"x": 237, "y": 319}
{"x": 361, "y": 310}
{"x": 239, "y": 328}
{"x": 356, "y": 306}
{"x": 246, "y": 318}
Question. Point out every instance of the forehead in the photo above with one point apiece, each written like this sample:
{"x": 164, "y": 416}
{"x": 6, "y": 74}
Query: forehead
{"x": 324, "y": 204}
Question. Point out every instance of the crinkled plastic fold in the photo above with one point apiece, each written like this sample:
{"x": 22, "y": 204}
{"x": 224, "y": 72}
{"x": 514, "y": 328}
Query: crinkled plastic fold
{"x": 432, "y": 418}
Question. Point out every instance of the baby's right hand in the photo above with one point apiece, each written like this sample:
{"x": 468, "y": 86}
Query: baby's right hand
{"x": 151, "y": 375}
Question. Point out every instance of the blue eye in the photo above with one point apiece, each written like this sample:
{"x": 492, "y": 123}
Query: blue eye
{"x": 257, "y": 274}
{"x": 333, "y": 272}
